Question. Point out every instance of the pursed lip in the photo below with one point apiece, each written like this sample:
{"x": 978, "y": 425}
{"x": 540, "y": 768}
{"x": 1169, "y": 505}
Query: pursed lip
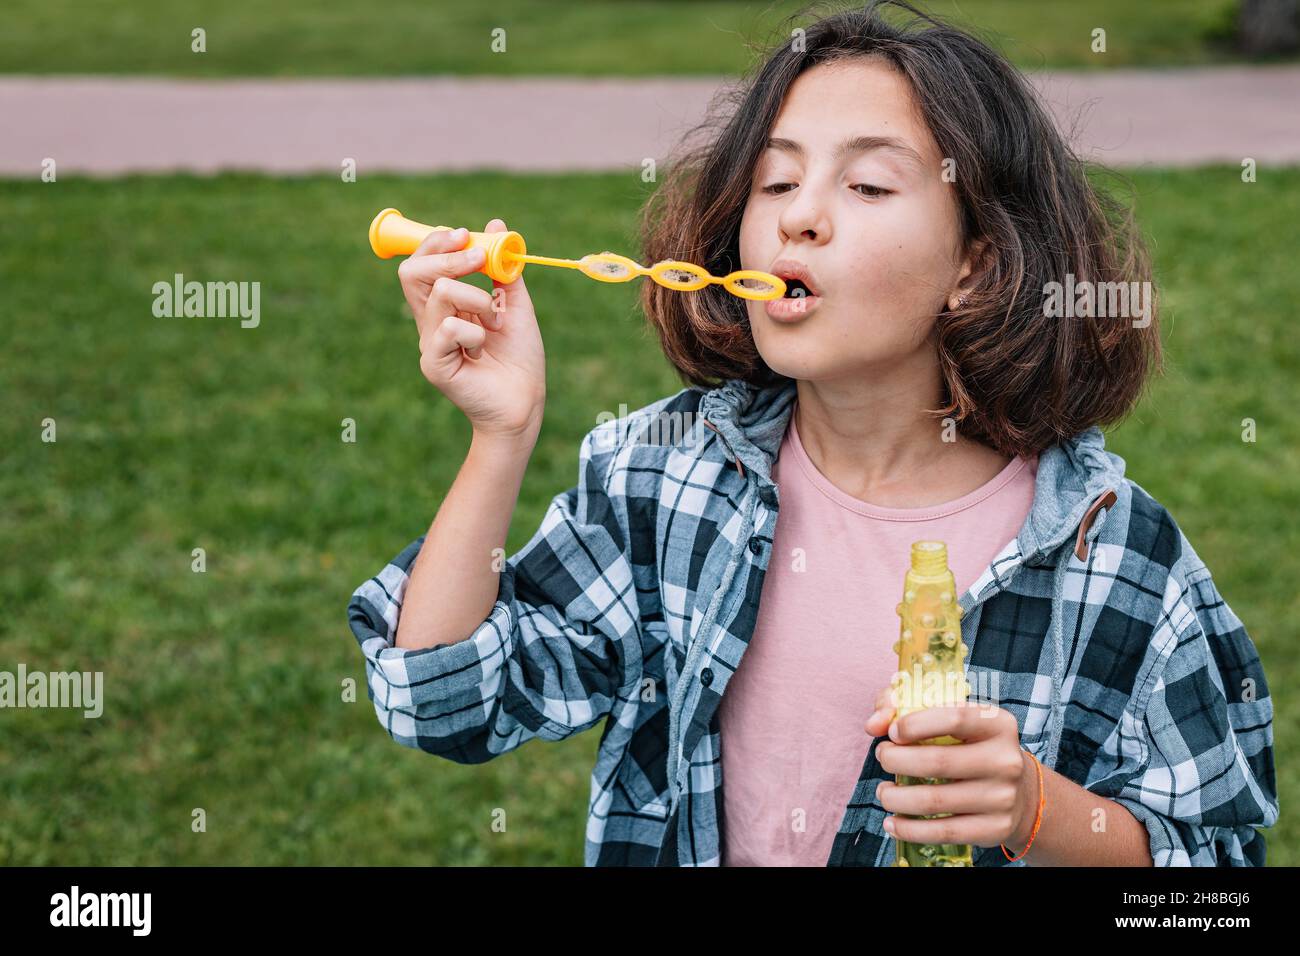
{"x": 791, "y": 310}
{"x": 794, "y": 269}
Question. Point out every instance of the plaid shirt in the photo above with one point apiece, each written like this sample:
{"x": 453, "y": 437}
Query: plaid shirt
{"x": 634, "y": 601}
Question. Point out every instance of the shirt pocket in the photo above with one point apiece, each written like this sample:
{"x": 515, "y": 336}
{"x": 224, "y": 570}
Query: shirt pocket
{"x": 643, "y": 773}
{"x": 643, "y": 800}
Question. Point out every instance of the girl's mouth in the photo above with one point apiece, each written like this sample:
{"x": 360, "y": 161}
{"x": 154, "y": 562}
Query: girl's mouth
{"x": 802, "y": 291}
{"x": 796, "y": 304}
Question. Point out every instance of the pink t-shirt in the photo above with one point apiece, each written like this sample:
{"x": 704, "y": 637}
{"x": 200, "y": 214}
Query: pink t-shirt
{"x": 793, "y": 715}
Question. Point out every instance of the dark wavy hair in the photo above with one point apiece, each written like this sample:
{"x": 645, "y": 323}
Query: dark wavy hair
{"x": 1014, "y": 378}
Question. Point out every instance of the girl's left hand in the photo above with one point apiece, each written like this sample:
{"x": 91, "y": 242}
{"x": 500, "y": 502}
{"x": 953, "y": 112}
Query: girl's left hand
{"x": 994, "y": 793}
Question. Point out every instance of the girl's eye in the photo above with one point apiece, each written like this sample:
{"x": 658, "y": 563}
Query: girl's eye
{"x": 865, "y": 189}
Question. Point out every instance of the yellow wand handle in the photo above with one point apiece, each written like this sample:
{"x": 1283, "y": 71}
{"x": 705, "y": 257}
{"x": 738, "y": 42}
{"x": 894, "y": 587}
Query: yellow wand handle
{"x": 392, "y": 234}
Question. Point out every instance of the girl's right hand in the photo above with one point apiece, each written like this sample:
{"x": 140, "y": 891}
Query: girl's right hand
{"x": 481, "y": 349}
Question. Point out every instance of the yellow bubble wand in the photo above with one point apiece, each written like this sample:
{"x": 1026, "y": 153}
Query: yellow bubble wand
{"x": 392, "y": 234}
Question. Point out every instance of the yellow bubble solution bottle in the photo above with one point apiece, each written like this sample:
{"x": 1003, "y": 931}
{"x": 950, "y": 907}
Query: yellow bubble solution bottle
{"x": 931, "y": 673}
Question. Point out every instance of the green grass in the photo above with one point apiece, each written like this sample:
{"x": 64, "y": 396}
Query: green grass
{"x": 622, "y": 37}
{"x": 224, "y": 687}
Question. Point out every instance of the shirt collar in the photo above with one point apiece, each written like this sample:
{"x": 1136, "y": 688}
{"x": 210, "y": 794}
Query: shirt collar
{"x": 1076, "y": 476}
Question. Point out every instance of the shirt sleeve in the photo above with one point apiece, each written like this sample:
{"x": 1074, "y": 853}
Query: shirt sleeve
{"x": 1203, "y": 777}
{"x": 558, "y": 644}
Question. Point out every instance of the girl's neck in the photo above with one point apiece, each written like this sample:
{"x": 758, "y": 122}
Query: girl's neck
{"x": 872, "y": 440}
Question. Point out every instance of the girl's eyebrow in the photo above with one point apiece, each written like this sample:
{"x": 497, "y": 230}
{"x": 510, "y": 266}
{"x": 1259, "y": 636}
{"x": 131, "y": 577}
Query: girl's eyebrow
{"x": 855, "y": 144}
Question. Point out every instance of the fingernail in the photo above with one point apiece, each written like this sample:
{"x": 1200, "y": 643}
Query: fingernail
{"x": 893, "y": 731}
{"x": 477, "y": 255}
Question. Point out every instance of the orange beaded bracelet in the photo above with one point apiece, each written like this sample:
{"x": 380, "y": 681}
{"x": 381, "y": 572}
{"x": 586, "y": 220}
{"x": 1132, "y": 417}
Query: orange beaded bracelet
{"x": 1038, "y": 817}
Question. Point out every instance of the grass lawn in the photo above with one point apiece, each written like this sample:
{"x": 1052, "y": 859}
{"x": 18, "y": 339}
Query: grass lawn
{"x": 622, "y": 37}
{"x": 224, "y": 688}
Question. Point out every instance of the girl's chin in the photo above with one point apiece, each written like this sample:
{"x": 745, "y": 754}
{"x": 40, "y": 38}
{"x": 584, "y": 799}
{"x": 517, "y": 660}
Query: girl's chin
{"x": 821, "y": 353}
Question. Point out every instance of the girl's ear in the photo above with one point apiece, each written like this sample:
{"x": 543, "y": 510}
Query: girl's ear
{"x": 972, "y": 268}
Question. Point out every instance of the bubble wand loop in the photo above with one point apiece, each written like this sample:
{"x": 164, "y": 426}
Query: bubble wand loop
{"x": 392, "y": 234}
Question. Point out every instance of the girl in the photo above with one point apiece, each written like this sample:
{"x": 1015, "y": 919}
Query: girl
{"x": 915, "y": 383}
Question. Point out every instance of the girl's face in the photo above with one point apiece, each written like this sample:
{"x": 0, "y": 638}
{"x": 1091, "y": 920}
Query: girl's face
{"x": 851, "y": 187}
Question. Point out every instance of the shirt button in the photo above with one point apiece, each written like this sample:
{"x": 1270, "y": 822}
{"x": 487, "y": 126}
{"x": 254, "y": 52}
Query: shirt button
{"x": 767, "y": 495}
{"x": 706, "y": 676}
{"x": 755, "y": 545}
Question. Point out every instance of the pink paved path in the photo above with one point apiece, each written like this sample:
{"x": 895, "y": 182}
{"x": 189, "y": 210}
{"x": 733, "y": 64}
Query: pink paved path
{"x": 111, "y": 125}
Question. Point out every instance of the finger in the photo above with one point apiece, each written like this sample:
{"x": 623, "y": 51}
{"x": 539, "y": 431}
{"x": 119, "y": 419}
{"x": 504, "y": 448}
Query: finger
{"x": 878, "y": 723}
{"x": 427, "y": 269}
{"x": 947, "y": 761}
{"x": 449, "y": 297}
{"x": 973, "y": 829}
{"x": 516, "y": 292}
{"x": 885, "y": 705}
{"x": 968, "y": 721}
{"x": 451, "y": 335}
{"x": 442, "y": 240}
{"x": 907, "y": 729}
{"x": 963, "y": 796}
{"x": 517, "y": 287}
